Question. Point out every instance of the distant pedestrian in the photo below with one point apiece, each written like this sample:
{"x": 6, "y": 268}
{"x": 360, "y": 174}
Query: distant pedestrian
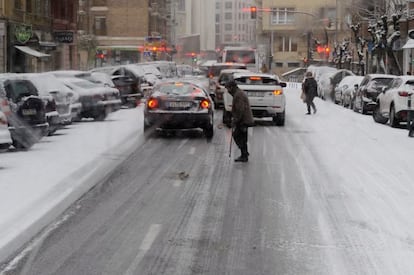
{"x": 264, "y": 69}
{"x": 242, "y": 118}
{"x": 310, "y": 88}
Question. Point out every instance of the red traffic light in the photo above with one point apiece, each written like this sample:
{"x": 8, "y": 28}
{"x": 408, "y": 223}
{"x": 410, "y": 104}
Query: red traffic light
{"x": 253, "y": 12}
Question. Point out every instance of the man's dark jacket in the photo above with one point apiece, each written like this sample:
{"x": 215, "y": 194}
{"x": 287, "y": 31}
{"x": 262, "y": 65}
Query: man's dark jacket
{"x": 310, "y": 87}
{"x": 241, "y": 111}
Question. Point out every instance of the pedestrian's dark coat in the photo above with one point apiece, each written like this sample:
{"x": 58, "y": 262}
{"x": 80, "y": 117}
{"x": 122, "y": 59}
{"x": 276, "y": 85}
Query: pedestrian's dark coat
{"x": 241, "y": 111}
{"x": 310, "y": 88}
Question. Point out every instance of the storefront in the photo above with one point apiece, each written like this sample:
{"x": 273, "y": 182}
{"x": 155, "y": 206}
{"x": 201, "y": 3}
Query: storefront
{"x": 29, "y": 50}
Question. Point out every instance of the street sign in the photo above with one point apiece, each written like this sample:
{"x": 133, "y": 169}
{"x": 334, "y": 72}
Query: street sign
{"x": 147, "y": 54}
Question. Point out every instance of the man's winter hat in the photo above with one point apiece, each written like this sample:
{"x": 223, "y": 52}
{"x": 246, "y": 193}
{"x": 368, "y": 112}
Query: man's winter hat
{"x": 230, "y": 84}
{"x": 308, "y": 74}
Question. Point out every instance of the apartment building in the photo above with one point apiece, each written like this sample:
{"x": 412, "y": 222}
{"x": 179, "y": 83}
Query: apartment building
{"x": 233, "y": 24}
{"x": 292, "y": 27}
{"x": 112, "y": 31}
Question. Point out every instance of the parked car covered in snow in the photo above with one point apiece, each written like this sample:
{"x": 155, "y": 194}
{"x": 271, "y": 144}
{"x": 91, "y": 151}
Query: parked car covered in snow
{"x": 58, "y": 108}
{"x": 97, "y": 101}
{"x": 392, "y": 101}
{"x": 345, "y": 90}
{"x": 27, "y": 116}
{"x": 366, "y": 95}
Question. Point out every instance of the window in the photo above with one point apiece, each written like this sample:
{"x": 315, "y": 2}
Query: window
{"x": 181, "y": 5}
{"x": 18, "y": 4}
{"x": 293, "y": 64}
{"x": 282, "y": 16}
{"x": 228, "y": 27}
{"x": 217, "y": 18}
{"x": 228, "y": 5}
{"x": 29, "y": 6}
{"x": 228, "y": 16}
{"x": 218, "y": 5}
{"x": 279, "y": 64}
{"x": 39, "y": 8}
{"x": 100, "y": 25}
{"x": 228, "y": 37}
{"x": 287, "y": 44}
{"x": 47, "y": 7}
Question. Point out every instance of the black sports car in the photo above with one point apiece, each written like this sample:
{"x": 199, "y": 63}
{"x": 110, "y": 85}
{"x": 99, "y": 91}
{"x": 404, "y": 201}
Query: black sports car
{"x": 179, "y": 105}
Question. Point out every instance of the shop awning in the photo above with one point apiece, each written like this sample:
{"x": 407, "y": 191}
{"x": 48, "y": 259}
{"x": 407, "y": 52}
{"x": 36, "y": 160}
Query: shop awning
{"x": 409, "y": 44}
{"x": 32, "y": 52}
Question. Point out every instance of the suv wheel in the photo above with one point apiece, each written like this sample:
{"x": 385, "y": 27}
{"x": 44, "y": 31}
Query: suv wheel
{"x": 209, "y": 131}
{"x": 279, "y": 119}
{"x": 22, "y": 145}
{"x": 378, "y": 117}
{"x": 394, "y": 122}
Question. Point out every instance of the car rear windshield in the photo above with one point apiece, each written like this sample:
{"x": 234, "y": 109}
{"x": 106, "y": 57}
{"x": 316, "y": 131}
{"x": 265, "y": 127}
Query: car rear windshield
{"x": 381, "y": 81}
{"x": 215, "y": 70}
{"x": 256, "y": 80}
{"x": 179, "y": 89}
{"x": 16, "y": 90}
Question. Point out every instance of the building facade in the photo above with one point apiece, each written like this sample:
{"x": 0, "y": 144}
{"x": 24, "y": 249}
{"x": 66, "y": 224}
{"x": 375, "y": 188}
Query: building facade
{"x": 233, "y": 23}
{"x": 27, "y": 43}
{"x": 64, "y": 27}
{"x": 291, "y": 29}
{"x": 112, "y": 32}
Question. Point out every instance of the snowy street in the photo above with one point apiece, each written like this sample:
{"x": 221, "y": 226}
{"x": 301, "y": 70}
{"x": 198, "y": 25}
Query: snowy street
{"x": 330, "y": 193}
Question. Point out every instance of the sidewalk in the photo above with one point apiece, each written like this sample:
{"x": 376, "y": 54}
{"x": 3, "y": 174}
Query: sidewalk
{"x": 39, "y": 184}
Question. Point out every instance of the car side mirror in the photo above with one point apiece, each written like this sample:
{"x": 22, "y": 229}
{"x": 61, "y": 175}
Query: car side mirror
{"x": 283, "y": 84}
{"x": 356, "y": 86}
{"x": 383, "y": 89}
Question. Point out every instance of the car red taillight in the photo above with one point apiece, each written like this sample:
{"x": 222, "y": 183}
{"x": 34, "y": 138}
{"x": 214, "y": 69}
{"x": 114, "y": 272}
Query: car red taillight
{"x": 205, "y": 104}
{"x": 404, "y": 94}
{"x": 152, "y": 103}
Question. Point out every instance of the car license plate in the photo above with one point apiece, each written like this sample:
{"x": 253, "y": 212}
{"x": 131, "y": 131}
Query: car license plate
{"x": 256, "y": 94}
{"x": 179, "y": 104}
{"x": 29, "y": 112}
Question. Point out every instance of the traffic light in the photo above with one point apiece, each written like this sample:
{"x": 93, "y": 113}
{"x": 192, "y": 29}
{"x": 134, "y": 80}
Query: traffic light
{"x": 253, "y": 12}
{"x": 100, "y": 54}
{"x": 194, "y": 57}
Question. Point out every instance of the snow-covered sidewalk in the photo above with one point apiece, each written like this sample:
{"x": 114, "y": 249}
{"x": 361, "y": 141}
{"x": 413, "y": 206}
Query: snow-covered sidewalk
{"x": 37, "y": 185}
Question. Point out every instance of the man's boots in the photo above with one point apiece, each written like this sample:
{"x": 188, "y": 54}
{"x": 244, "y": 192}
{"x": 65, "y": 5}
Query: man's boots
{"x": 244, "y": 156}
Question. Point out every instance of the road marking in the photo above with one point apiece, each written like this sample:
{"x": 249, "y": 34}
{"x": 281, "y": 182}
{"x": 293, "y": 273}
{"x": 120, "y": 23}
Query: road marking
{"x": 146, "y": 244}
{"x": 192, "y": 150}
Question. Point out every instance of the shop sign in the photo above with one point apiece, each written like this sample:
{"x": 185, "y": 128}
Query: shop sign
{"x": 23, "y": 33}
{"x": 64, "y": 37}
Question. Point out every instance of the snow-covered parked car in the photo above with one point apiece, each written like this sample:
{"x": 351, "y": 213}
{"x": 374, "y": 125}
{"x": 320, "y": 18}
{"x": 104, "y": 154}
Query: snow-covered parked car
{"x": 392, "y": 101}
{"x": 97, "y": 101}
{"x": 49, "y": 86}
{"x": 371, "y": 86}
{"x": 345, "y": 90}
{"x": 25, "y": 111}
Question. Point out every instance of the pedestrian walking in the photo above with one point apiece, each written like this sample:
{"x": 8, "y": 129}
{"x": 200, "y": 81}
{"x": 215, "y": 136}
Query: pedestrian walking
{"x": 264, "y": 69}
{"x": 310, "y": 88}
{"x": 242, "y": 118}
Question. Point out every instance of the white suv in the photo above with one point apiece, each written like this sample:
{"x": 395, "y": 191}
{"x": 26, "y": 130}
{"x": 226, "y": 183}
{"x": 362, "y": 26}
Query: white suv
{"x": 266, "y": 96}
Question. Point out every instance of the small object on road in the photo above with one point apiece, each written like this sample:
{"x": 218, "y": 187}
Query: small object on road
{"x": 183, "y": 175}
